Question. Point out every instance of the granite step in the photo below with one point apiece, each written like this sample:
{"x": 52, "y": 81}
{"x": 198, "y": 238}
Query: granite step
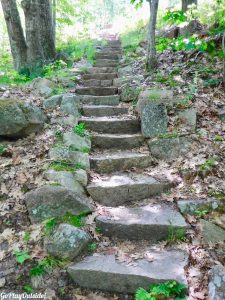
{"x": 97, "y": 83}
{"x": 112, "y": 55}
{"x": 103, "y": 110}
{"x": 106, "y": 63}
{"x": 153, "y": 222}
{"x": 100, "y": 70}
{"x": 117, "y": 161}
{"x": 97, "y": 91}
{"x": 112, "y": 100}
{"x": 106, "y": 273}
{"x": 117, "y": 141}
{"x": 124, "y": 188}
{"x": 100, "y": 76}
{"x": 112, "y": 125}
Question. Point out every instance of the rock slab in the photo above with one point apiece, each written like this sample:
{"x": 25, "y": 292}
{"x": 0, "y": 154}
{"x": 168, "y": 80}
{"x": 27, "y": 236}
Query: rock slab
{"x": 216, "y": 285}
{"x": 105, "y": 273}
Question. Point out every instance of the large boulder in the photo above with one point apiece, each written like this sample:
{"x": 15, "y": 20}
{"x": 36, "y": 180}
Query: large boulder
{"x": 53, "y": 101}
{"x": 52, "y": 201}
{"x": 170, "y": 148}
{"x": 76, "y": 142}
{"x": 170, "y": 32}
{"x": 188, "y": 118}
{"x": 43, "y": 86}
{"x": 216, "y": 285}
{"x": 70, "y": 104}
{"x": 67, "y": 242}
{"x": 19, "y": 119}
{"x": 125, "y": 71}
{"x": 212, "y": 233}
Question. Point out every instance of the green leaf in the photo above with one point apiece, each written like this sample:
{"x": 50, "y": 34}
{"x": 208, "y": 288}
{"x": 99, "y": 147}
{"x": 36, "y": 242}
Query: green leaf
{"x": 21, "y": 256}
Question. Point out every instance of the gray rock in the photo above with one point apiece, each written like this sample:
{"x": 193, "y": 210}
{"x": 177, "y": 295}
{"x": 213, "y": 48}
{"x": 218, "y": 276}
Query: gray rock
{"x": 104, "y": 272}
{"x": 81, "y": 177}
{"x": 18, "y": 119}
{"x": 194, "y": 26}
{"x": 66, "y": 242}
{"x": 76, "y": 142}
{"x": 112, "y": 162}
{"x": 123, "y": 188}
{"x": 169, "y": 148}
{"x": 70, "y": 104}
{"x": 43, "y": 86}
{"x": 189, "y": 118}
{"x": 52, "y": 201}
{"x": 221, "y": 114}
{"x": 155, "y": 96}
{"x": 129, "y": 92}
{"x": 170, "y": 32}
{"x": 152, "y": 222}
{"x": 53, "y": 101}
{"x": 190, "y": 206}
{"x": 119, "y": 82}
{"x": 216, "y": 285}
{"x": 212, "y": 233}
{"x": 65, "y": 121}
{"x": 75, "y": 157}
{"x": 154, "y": 120}
{"x": 125, "y": 71}
{"x": 66, "y": 179}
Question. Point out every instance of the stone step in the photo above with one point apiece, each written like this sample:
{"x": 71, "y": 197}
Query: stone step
{"x": 103, "y": 110}
{"x": 112, "y": 100}
{"x": 117, "y": 161}
{"x": 100, "y": 76}
{"x": 112, "y": 125}
{"x": 112, "y": 52}
{"x": 97, "y": 83}
{"x": 112, "y": 48}
{"x": 106, "y": 63}
{"x": 117, "y": 141}
{"x": 100, "y": 70}
{"x": 106, "y": 273}
{"x": 123, "y": 188}
{"x": 153, "y": 222}
{"x": 97, "y": 91}
{"x": 111, "y": 56}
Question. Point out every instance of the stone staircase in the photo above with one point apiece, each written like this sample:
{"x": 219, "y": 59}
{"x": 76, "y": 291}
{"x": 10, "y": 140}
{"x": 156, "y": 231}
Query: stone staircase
{"x": 120, "y": 186}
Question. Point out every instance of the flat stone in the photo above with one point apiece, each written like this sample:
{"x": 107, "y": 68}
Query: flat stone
{"x": 125, "y": 71}
{"x": 190, "y": 206}
{"x": 169, "y": 149}
{"x": 212, "y": 233}
{"x": 97, "y": 91}
{"x": 151, "y": 222}
{"x": 221, "y": 114}
{"x": 189, "y": 118}
{"x": 70, "y": 104}
{"x": 66, "y": 242}
{"x": 66, "y": 179}
{"x": 100, "y": 76}
{"x": 75, "y": 141}
{"x": 119, "y": 82}
{"x": 216, "y": 285}
{"x": 53, "y": 101}
{"x": 75, "y": 157}
{"x": 112, "y": 125}
{"x": 103, "y": 110}
{"x": 154, "y": 120}
{"x": 124, "y": 188}
{"x": 52, "y": 201}
{"x": 100, "y": 100}
{"x": 112, "y": 162}
{"x": 42, "y": 86}
{"x": 117, "y": 141}
{"x": 65, "y": 121}
{"x": 97, "y": 83}
{"x": 106, "y": 63}
{"x": 105, "y": 273}
{"x": 101, "y": 70}
{"x": 111, "y": 56}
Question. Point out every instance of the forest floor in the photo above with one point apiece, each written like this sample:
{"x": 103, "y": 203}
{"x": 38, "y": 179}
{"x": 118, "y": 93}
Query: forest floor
{"x": 22, "y": 170}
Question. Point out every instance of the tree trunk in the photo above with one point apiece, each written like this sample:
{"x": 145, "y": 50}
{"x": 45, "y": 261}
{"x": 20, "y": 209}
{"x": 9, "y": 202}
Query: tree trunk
{"x": 54, "y": 20}
{"x": 186, "y": 3}
{"x": 15, "y": 33}
{"x": 151, "y": 55}
{"x": 35, "y": 56}
{"x": 46, "y": 30}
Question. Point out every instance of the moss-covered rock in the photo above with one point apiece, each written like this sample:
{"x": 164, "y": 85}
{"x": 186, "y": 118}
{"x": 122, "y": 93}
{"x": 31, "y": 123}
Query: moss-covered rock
{"x": 19, "y": 119}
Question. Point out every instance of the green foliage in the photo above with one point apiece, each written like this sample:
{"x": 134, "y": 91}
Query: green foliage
{"x": 28, "y": 288}
{"x": 208, "y": 165}
{"x": 201, "y": 212}
{"x": 168, "y": 135}
{"x": 46, "y": 265}
{"x": 211, "y": 82}
{"x": 175, "y": 17}
{"x": 26, "y": 236}
{"x": 92, "y": 247}
{"x": 166, "y": 79}
{"x": 64, "y": 165}
{"x": 49, "y": 225}
{"x": 50, "y": 69}
{"x": 3, "y": 150}
{"x": 218, "y": 138}
{"x": 21, "y": 256}
{"x": 80, "y": 129}
{"x": 166, "y": 290}
{"x": 176, "y": 235}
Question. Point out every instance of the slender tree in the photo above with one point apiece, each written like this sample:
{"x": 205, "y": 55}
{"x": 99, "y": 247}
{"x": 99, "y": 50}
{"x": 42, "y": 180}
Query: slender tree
{"x": 186, "y": 3}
